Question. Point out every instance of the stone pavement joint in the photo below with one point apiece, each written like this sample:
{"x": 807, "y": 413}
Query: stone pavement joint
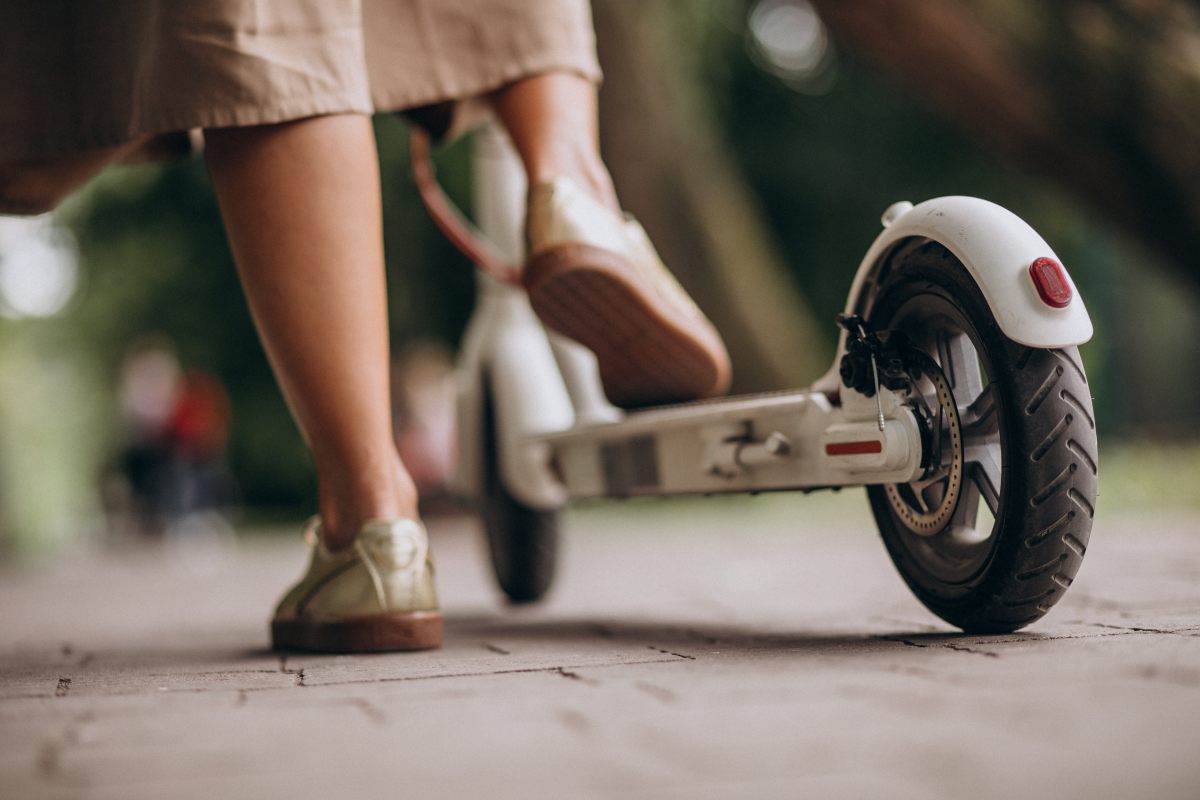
{"x": 299, "y": 673}
{"x": 958, "y": 648}
{"x": 575, "y": 676}
{"x": 670, "y": 652}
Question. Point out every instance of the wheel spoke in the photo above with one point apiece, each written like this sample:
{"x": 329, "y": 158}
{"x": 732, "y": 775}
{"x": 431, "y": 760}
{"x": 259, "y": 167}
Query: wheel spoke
{"x": 962, "y": 524}
{"x": 983, "y": 470}
{"x": 981, "y": 417}
{"x": 960, "y": 364}
{"x": 921, "y": 485}
{"x": 919, "y": 497}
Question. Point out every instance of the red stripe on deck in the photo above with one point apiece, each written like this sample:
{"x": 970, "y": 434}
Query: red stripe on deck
{"x": 854, "y": 448}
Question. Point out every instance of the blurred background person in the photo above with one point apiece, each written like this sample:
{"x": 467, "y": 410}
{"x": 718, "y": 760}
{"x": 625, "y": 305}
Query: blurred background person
{"x": 135, "y": 486}
{"x": 168, "y": 477}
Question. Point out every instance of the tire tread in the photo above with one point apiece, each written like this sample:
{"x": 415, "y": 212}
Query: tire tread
{"x": 1062, "y": 469}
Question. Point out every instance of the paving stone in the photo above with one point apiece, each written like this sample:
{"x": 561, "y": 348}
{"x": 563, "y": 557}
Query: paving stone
{"x": 722, "y": 649}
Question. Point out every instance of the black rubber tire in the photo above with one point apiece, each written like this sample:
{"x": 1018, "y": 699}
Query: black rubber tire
{"x": 522, "y": 541}
{"x": 1048, "y": 465}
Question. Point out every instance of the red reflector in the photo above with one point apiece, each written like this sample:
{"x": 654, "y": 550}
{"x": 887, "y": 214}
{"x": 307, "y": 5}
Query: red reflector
{"x": 854, "y": 448}
{"x": 1051, "y": 282}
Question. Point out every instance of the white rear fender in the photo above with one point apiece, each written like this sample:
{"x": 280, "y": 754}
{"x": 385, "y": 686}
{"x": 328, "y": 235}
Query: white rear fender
{"x": 997, "y": 248}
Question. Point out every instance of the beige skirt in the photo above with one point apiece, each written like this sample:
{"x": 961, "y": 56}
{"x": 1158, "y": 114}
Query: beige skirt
{"x": 81, "y": 74}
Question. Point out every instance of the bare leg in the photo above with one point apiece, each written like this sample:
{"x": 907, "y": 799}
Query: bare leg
{"x": 552, "y": 120}
{"x": 301, "y": 206}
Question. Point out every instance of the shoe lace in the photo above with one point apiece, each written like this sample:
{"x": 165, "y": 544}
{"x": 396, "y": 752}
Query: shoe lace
{"x": 373, "y": 572}
{"x": 312, "y": 536}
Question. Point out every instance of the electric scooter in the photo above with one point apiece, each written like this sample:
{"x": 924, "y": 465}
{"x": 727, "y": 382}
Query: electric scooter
{"x": 956, "y": 397}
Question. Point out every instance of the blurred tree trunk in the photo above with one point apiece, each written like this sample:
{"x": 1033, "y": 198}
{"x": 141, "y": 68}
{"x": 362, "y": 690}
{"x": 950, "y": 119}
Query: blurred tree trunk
{"x": 1101, "y": 96}
{"x": 673, "y": 172}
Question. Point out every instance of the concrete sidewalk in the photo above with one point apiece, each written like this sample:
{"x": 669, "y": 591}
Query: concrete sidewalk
{"x": 726, "y": 648}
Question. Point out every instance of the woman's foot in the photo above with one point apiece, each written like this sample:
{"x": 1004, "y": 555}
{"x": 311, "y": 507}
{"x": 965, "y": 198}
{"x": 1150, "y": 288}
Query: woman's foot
{"x": 594, "y": 276}
{"x": 375, "y": 595}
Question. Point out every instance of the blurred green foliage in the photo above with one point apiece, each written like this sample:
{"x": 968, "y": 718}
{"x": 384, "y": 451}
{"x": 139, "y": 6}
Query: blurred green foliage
{"x": 1152, "y": 476}
{"x": 828, "y": 158}
{"x": 827, "y": 163}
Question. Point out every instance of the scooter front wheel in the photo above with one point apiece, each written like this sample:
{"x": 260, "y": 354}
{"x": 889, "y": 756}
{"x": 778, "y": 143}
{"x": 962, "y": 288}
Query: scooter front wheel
{"x": 522, "y": 541}
{"x": 996, "y": 528}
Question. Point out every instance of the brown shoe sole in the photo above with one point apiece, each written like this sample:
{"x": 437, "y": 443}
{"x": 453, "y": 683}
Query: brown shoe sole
{"x": 649, "y": 352}
{"x": 376, "y": 633}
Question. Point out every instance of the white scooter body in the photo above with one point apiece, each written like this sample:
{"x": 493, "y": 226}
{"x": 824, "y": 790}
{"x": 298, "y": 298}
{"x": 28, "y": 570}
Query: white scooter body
{"x": 558, "y": 438}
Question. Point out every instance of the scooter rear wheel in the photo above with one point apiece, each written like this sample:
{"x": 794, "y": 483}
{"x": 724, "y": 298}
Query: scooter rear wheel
{"x": 995, "y": 530}
{"x": 522, "y": 541}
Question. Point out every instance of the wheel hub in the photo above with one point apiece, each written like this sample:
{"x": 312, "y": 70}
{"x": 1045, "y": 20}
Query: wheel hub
{"x": 926, "y": 506}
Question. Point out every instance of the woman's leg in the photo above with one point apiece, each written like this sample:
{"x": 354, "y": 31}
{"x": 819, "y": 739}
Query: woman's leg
{"x": 552, "y": 120}
{"x": 301, "y": 203}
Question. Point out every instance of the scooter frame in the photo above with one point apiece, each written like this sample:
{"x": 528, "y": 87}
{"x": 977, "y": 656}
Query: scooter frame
{"x": 559, "y": 439}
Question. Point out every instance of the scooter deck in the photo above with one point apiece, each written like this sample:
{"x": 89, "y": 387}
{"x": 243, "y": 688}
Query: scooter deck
{"x": 749, "y": 443}
{"x": 697, "y": 413}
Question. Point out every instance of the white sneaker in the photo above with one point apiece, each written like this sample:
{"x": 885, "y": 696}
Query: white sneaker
{"x": 375, "y": 595}
{"x": 595, "y": 277}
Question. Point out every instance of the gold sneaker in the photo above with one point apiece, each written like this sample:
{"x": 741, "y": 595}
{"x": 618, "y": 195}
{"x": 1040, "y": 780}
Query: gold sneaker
{"x": 594, "y": 276}
{"x": 373, "y": 596}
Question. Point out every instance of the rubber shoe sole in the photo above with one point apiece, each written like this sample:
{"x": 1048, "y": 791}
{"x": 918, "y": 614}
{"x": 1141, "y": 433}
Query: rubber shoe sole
{"x": 649, "y": 353}
{"x": 376, "y": 633}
